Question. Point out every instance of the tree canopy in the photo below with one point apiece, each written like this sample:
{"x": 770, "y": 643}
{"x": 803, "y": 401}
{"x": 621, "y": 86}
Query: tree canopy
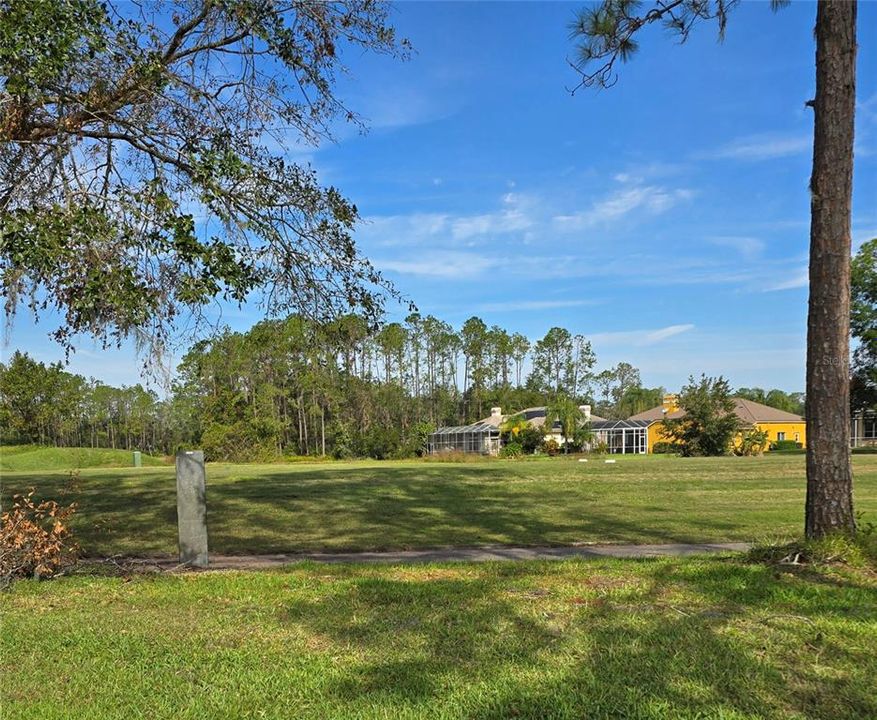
{"x": 709, "y": 424}
{"x": 863, "y": 326}
{"x": 143, "y": 168}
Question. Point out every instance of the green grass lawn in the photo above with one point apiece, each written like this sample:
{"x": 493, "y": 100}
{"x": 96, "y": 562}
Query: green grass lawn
{"x": 661, "y": 639}
{"x": 27, "y": 458}
{"x": 391, "y": 505}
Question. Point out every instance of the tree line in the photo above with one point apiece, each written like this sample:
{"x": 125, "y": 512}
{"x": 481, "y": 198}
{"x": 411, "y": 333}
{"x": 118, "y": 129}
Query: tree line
{"x": 301, "y": 387}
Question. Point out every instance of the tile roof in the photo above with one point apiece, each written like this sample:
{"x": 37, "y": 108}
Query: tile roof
{"x": 748, "y": 411}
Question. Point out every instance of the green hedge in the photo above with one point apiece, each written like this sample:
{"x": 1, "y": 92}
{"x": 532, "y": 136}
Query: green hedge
{"x": 665, "y": 448}
{"x": 785, "y": 446}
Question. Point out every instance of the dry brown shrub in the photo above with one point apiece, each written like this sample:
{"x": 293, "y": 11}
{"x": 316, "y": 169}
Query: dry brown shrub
{"x": 35, "y": 539}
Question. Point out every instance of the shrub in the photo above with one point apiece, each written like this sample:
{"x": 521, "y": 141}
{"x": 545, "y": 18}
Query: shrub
{"x": 785, "y": 446}
{"x": 381, "y": 442}
{"x": 530, "y": 439}
{"x": 665, "y": 448}
{"x": 866, "y": 450}
{"x": 600, "y": 448}
{"x": 243, "y": 441}
{"x": 512, "y": 450}
{"x": 550, "y": 446}
{"x": 752, "y": 442}
{"x": 35, "y": 540}
{"x": 416, "y": 440}
{"x": 342, "y": 442}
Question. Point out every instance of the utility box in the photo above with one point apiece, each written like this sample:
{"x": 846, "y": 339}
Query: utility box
{"x": 137, "y": 459}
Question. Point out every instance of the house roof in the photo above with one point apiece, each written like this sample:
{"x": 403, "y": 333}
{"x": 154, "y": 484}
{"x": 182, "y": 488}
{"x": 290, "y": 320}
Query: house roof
{"x": 534, "y": 415}
{"x": 748, "y": 411}
{"x": 619, "y": 424}
{"x": 656, "y": 413}
{"x": 756, "y": 412}
{"x": 478, "y": 427}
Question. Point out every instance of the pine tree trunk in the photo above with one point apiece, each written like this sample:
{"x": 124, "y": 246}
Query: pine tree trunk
{"x": 829, "y": 506}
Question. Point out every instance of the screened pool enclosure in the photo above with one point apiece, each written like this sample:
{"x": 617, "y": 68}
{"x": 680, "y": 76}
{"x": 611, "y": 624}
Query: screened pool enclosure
{"x": 480, "y": 437}
{"x": 622, "y": 437}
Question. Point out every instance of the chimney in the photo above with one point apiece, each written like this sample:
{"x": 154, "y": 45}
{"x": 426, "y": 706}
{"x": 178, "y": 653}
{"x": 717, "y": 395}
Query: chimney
{"x": 496, "y": 412}
{"x": 586, "y": 411}
{"x": 669, "y": 404}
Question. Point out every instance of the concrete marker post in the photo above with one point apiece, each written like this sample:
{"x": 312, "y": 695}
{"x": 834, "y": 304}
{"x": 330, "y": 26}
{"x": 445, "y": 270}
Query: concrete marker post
{"x": 192, "y": 508}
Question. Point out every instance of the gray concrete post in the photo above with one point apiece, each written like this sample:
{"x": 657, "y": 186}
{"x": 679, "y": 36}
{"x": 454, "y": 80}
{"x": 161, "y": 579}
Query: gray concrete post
{"x": 192, "y": 508}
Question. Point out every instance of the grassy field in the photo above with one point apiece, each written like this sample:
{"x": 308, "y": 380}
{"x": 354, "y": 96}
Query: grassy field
{"x": 392, "y": 505}
{"x": 696, "y": 638}
{"x": 24, "y": 458}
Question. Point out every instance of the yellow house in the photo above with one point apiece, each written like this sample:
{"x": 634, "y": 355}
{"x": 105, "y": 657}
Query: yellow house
{"x": 779, "y": 424}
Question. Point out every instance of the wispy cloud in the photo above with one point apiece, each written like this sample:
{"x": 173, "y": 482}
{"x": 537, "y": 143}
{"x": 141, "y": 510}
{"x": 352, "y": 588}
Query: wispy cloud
{"x": 403, "y": 102}
{"x": 444, "y": 264}
{"x": 760, "y": 147}
{"x": 748, "y": 247}
{"x": 657, "y": 336}
{"x": 516, "y": 213}
{"x": 534, "y": 305}
{"x": 393, "y": 230}
{"x": 642, "y": 199}
{"x": 512, "y": 217}
{"x": 799, "y": 279}
{"x": 640, "y": 338}
{"x": 635, "y": 269}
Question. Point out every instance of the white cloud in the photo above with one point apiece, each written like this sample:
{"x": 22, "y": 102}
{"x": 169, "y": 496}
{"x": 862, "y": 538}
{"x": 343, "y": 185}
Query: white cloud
{"x": 506, "y": 221}
{"x": 448, "y": 265}
{"x": 657, "y": 336}
{"x": 651, "y": 199}
{"x": 748, "y": 247}
{"x": 392, "y": 230}
{"x": 761, "y": 147}
{"x": 640, "y": 338}
{"x": 799, "y": 279}
{"x": 534, "y": 305}
{"x": 517, "y": 213}
{"x": 390, "y": 107}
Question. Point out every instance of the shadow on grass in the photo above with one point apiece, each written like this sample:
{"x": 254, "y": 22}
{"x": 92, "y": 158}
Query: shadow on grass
{"x": 398, "y": 508}
{"x": 267, "y": 510}
{"x": 688, "y": 640}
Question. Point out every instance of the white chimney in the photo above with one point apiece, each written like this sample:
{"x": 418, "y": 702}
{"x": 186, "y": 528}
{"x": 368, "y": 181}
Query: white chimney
{"x": 586, "y": 411}
{"x": 496, "y": 412}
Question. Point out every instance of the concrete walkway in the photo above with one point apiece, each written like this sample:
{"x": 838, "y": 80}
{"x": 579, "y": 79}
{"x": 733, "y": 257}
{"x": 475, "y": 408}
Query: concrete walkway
{"x": 474, "y": 554}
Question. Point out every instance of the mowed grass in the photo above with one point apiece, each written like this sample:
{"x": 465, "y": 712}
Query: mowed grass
{"x": 23, "y": 458}
{"x": 393, "y": 505}
{"x": 659, "y": 639}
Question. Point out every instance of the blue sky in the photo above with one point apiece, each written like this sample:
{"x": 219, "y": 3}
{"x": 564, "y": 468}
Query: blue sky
{"x": 666, "y": 219}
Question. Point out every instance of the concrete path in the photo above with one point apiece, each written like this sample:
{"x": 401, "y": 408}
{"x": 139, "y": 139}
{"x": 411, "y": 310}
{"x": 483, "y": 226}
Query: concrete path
{"x": 474, "y": 554}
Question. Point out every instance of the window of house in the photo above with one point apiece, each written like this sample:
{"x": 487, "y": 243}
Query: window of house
{"x": 781, "y": 436}
{"x": 797, "y": 437}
